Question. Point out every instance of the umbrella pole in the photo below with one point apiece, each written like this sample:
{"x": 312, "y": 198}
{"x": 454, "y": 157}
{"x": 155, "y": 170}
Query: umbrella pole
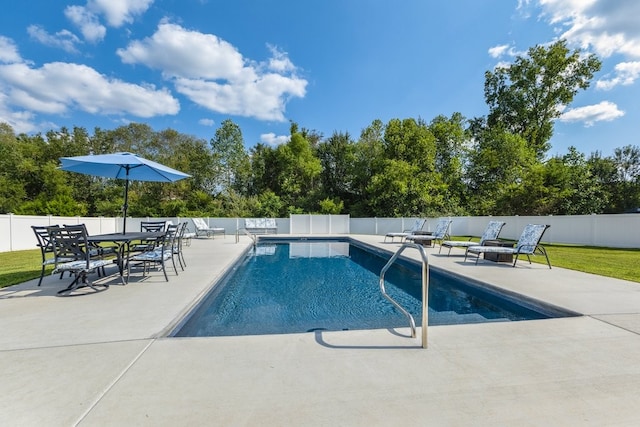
{"x": 126, "y": 202}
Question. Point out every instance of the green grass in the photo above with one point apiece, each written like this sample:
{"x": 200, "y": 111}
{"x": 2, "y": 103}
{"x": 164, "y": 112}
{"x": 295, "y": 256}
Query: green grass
{"x": 611, "y": 262}
{"x": 20, "y": 266}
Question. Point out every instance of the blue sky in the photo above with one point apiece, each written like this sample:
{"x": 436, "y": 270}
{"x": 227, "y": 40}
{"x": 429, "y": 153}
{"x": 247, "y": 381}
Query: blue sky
{"x": 328, "y": 65}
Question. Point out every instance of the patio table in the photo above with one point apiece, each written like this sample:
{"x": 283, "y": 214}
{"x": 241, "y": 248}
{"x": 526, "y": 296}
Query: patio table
{"x": 123, "y": 242}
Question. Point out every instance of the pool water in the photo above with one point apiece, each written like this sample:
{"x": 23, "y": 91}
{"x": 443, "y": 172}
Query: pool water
{"x": 302, "y": 286}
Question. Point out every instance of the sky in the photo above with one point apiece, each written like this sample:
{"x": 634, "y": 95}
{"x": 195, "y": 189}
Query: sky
{"x": 327, "y": 65}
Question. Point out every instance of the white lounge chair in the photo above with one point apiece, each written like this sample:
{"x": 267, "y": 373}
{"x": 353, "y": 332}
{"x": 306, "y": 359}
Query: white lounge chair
{"x": 202, "y": 229}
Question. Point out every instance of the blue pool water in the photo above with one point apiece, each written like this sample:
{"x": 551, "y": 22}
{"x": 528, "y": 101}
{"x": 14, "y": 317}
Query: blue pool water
{"x": 301, "y": 286}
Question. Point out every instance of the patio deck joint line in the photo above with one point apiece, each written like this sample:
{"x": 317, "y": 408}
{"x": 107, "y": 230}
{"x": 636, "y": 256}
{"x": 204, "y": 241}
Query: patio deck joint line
{"x": 113, "y": 383}
{"x": 594, "y": 316}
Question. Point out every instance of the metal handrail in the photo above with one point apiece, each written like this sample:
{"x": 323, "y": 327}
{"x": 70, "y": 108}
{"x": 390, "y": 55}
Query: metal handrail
{"x": 425, "y": 290}
{"x": 251, "y": 235}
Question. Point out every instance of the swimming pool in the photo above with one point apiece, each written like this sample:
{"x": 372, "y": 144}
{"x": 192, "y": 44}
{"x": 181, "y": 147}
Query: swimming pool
{"x": 292, "y": 286}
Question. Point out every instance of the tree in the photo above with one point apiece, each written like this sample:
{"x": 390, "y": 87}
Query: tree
{"x": 525, "y": 97}
{"x": 498, "y": 164}
{"x": 337, "y": 158}
{"x": 230, "y": 160}
{"x": 368, "y": 160}
{"x": 451, "y": 139}
{"x": 12, "y": 191}
{"x": 604, "y": 172}
{"x": 407, "y": 184}
{"x": 297, "y": 170}
{"x": 627, "y": 161}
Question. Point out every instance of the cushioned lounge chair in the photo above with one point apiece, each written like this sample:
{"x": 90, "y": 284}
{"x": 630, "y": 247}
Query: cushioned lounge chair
{"x": 491, "y": 232}
{"x": 441, "y": 233}
{"x": 417, "y": 226}
{"x": 528, "y": 244}
{"x": 202, "y": 229}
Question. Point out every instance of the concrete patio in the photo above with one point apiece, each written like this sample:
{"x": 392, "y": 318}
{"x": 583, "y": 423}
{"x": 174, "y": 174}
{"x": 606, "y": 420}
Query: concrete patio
{"x": 103, "y": 359}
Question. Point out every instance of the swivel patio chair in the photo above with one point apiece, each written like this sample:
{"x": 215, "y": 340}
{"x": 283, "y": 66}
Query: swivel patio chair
{"x": 46, "y": 245}
{"x": 97, "y": 251}
{"x": 70, "y": 242}
{"x": 528, "y": 244}
{"x": 491, "y": 232}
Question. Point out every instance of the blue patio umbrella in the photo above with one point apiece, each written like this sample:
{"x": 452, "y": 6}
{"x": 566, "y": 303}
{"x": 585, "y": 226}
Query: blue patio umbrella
{"x": 125, "y": 166}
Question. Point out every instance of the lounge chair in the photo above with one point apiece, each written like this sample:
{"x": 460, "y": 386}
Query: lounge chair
{"x": 491, "y": 232}
{"x": 528, "y": 244}
{"x": 441, "y": 233}
{"x": 202, "y": 229}
{"x": 253, "y": 226}
{"x": 261, "y": 225}
{"x": 417, "y": 226}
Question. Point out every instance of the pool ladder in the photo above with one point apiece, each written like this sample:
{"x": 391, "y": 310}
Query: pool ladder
{"x": 425, "y": 290}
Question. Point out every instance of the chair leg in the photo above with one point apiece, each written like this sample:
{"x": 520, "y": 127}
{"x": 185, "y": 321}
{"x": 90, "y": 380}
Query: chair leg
{"x": 173, "y": 261}
{"x": 179, "y": 255}
{"x": 515, "y": 259}
{"x": 165, "y": 271}
{"x": 41, "y": 276}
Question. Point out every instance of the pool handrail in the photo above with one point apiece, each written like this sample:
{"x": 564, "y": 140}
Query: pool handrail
{"x": 425, "y": 289}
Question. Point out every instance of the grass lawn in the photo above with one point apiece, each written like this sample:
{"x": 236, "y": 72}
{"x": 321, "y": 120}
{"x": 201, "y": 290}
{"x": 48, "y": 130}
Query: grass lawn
{"x": 611, "y": 262}
{"x": 20, "y": 266}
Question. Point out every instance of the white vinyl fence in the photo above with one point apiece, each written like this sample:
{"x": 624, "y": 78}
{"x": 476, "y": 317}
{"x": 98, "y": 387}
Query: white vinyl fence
{"x": 621, "y": 230}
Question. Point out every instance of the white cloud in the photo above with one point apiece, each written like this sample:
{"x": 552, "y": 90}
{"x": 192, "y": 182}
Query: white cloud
{"x": 8, "y": 51}
{"x": 88, "y": 23}
{"x": 212, "y": 73}
{"x": 206, "y": 122}
{"x": 115, "y": 12}
{"x": 625, "y": 73}
{"x": 57, "y": 88}
{"x": 20, "y": 121}
{"x": 607, "y": 27}
{"x": 279, "y": 61}
{"x": 182, "y": 53}
{"x": 64, "y": 39}
{"x": 119, "y": 12}
{"x": 498, "y": 51}
{"x": 273, "y": 140}
{"x": 604, "y": 111}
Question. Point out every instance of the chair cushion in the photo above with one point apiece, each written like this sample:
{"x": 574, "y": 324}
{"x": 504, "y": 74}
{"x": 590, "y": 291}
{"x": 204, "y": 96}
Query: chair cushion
{"x": 81, "y": 265}
{"x": 458, "y": 243}
{"x": 151, "y": 256}
{"x": 492, "y": 249}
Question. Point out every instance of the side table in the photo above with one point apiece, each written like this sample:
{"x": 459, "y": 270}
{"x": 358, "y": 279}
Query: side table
{"x": 496, "y": 257}
{"x": 425, "y": 238}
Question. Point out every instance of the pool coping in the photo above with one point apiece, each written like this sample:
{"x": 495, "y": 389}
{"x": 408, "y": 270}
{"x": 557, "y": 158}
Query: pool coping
{"x": 101, "y": 359}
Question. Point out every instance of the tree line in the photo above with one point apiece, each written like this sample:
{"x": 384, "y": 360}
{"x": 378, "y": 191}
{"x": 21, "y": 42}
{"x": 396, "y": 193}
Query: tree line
{"x": 452, "y": 165}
